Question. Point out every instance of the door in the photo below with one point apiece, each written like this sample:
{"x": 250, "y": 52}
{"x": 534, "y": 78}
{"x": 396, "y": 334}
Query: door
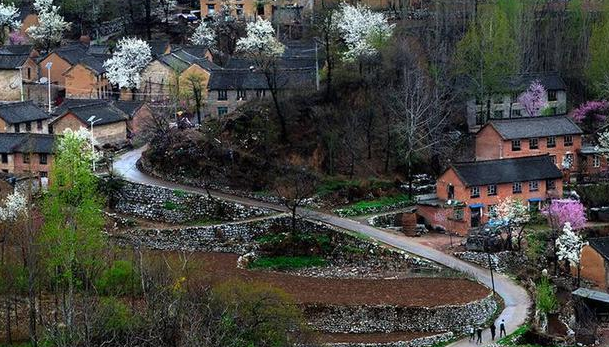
{"x": 476, "y": 215}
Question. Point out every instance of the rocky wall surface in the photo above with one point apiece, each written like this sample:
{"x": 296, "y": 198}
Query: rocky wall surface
{"x": 505, "y": 261}
{"x": 418, "y": 342}
{"x": 385, "y": 319}
{"x": 175, "y": 206}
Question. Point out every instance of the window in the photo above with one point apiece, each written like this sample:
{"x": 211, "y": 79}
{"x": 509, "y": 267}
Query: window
{"x": 29, "y": 73}
{"x": 517, "y": 188}
{"x": 239, "y": 9}
{"x": 596, "y": 161}
{"x": 533, "y": 186}
{"x": 43, "y": 159}
{"x": 17, "y": 127}
{"x": 451, "y": 192}
{"x": 241, "y": 94}
{"x": 211, "y": 9}
{"x": 533, "y": 143}
{"x": 39, "y": 125}
{"x": 26, "y": 158}
{"x": 43, "y": 174}
{"x": 480, "y": 118}
{"x": 475, "y": 192}
{"x": 550, "y": 184}
{"x": 551, "y": 142}
{"x": 50, "y": 129}
{"x": 516, "y": 113}
{"x": 491, "y": 190}
{"x": 534, "y": 206}
{"x": 491, "y": 209}
{"x": 552, "y": 95}
{"x": 222, "y": 111}
{"x": 514, "y": 97}
{"x": 28, "y": 126}
{"x": 498, "y": 114}
{"x": 222, "y": 95}
{"x": 458, "y": 214}
{"x": 515, "y": 145}
{"x": 568, "y": 140}
{"x": 260, "y": 93}
{"x": 567, "y": 161}
{"x": 4, "y": 158}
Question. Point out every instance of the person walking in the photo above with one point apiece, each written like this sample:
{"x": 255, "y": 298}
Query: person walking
{"x": 493, "y": 330}
{"x": 479, "y": 332}
{"x": 472, "y": 333}
{"x": 502, "y": 332}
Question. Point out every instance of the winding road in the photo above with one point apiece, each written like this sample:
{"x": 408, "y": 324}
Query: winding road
{"x": 516, "y": 299}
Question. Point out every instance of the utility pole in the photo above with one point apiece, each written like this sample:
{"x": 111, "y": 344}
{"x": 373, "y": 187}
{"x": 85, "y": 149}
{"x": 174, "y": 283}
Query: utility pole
{"x": 316, "y": 68}
{"x": 49, "y": 65}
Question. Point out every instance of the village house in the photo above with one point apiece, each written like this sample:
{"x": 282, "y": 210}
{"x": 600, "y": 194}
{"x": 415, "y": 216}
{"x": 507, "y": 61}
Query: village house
{"x": 557, "y": 136}
{"x": 230, "y": 88}
{"x": 17, "y": 66}
{"x": 242, "y": 9}
{"x": 160, "y": 77}
{"x": 26, "y": 153}
{"x": 594, "y": 265}
{"x": 63, "y": 59}
{"x": 23, "y": 117}
{"x": 27, "y": 19}
{"x": 114, "y": 121}
{"x": 467, "y": 192}
{"x": 87, "y": 79}
{"x": 505, "y": 105}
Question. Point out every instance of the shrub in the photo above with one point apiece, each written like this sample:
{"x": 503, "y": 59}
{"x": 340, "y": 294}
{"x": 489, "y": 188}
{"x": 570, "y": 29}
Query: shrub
{"x": 334, "y": 185}
{"x": 594, "y": 195}
{"x": 170, "y": 205}
{"x": 374, "y": 206}
{"x": 287, "y": 263}
{"x": 119, "y": 279}
{"x": 295, "y": 244}
{"x": 546, "y": 298}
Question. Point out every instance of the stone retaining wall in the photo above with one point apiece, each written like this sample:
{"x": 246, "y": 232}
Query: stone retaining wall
{"x": 385, "y": 319}
{"x": 418, "y": 342}
{"x": 175, "y": 206}
{"x": 504, "y": 262}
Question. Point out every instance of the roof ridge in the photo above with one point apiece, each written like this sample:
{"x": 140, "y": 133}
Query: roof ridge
{"x": 502, "y": 159}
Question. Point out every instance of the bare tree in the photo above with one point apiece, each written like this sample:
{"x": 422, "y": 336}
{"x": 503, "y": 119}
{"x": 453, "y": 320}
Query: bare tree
{"x": 294, "y": 188}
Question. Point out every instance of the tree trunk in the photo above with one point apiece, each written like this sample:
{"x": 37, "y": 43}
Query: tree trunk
{"x": 7, "y": 305}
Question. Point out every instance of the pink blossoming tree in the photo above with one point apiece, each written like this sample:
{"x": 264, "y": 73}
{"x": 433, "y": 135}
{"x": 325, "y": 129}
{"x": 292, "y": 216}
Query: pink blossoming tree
{"x": 590, "y": 113}
{"x": 534, "y": 100}
{"x": 562, "y": 212}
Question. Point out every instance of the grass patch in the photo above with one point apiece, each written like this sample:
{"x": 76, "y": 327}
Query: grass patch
{"x": 330, "y": 186}
{"x": 170, "y": 205}
{"x": 352, "y": 250}
{"x": 287, "y": 263}
{"x": 373, "y": 206}
{"x": 179, "y": 193}
{"x": 512, "y": 339}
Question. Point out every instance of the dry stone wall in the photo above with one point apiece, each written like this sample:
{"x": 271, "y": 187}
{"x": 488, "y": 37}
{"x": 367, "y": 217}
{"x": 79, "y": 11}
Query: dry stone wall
{"x": 418, "y": 342}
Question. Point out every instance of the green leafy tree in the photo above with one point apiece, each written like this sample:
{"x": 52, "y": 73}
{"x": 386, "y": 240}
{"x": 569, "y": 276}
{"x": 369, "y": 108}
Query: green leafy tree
{"x": 73, "y": 223}
{"x": 596, "y": 72}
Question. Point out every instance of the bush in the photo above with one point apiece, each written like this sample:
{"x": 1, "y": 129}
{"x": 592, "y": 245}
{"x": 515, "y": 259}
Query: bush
{"x": 295, "y": 244}
{"x": 537, "y": 241}
{"x": 287, "y": 263}
{"x": 546, "y": 298}
{"x": 594, "y": 195}
{"x": 334, "y": 185}
{"x": 375, "y": 206}
{"x": 119, "y": 279}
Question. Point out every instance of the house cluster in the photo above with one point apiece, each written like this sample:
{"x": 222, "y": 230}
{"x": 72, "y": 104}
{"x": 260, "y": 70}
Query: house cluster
{"x": 525, "y": 158}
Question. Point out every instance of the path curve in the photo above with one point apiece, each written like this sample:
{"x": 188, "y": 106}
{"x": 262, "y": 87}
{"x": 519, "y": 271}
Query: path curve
{"x": 516, "y": 299}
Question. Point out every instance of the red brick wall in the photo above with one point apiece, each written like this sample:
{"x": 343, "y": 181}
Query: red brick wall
{"x": 34, "y": 164}
{"x": 488, "y": 144}
{"x": 140, "y": 119}
{"x": 593, "y": 267}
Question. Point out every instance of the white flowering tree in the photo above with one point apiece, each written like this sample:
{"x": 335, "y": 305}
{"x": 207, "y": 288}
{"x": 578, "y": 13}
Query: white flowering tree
{"x": 204, "y": 35}
{"x": 514, "y": 215}
{"x": 262, "y": 47}
{"x": 9, "y": 20}
{"x": 51, "y": 25}
{"x": 164, "y": 9}
{"x": 569, "y": 247}
{"x": 15, "y": 206}
{"x": 362, "y": 30}
{"x": 131, "y": 56}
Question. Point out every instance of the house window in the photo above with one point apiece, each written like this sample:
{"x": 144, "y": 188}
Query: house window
{"x": 517, "y": 188}
{"x": 567, "y": 161}
{"x": 596, "y": 161}
{"x": 533, "y": 143}
{"x": 514, "y": 97}
{"x": 222, "y": 95}
{"x": 475, "y": 192}
{"x": 4, "y": 158}
{"x": 534, "y": 206}
{"x": 551, "y": 142}
{"x": 211, "y": 9}
{"x": 43, "y": 159}
{"x": 43, "y": 174}
{"x": 239, "y": 9}
{"x": 17, "y": 127}
{"x": 28, "y": 126}
{"x": 550, "y": 184}
{"x": 26, "y": 158}
{"x": 515, "y": 145}
{"x": 491, "y": 190}
{"x": 222, "y": 111}
{"x": 39, "y": 125}
{"x": 533, "y": 186}
{"x": 29, "y": 73}
{"x": 497, "y": 114}
{"x": 451, "y": 192}
{"x": 480, "y": 118}
{"x": 568, "y": 140}
{"x": 553, "y": 159}
{"x": 50, "y": 128}
{"x": 241, "y": 94}
{"x": 516, "y": 113}
{"x": 458, "y": 214}
{"x": 552, "y": 95}
{"x": 260, "y": 93}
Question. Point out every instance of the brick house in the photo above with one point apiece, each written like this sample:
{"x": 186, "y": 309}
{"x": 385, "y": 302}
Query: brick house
{"x": 17, "y": 66}
{"x": 557, "y": 136}
{"x": 23, "y": 117}
{"x": 595, "y": 262}
{"x": 230, "y": 88}
{"x": 467, "y": 192}
{"x": 505, "y": 105}
{"x": 115, "y": 118}
{"x": 27, "y": 18}
{"x": 242, "y": 9}
{"x": 22, "y": 153}
{"x": 63, "y": 59}
{"x": 87, "y": 79}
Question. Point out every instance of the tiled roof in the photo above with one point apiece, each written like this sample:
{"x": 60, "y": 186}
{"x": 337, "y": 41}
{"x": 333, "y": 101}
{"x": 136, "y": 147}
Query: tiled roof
{"x": 550, "y": 80}
{"x": 600, "y": 245}
{"x": 129, "y": 107}
{"x": 72, "y": 53}
{"x": 26, "y": 143}
{"x": 530, "y": 127}
{"x": 181, "y": 60}
{"x": 104, "y": 110}
{"x": 19, "y": 112}
{"x": 284, "y": 63}
{"x": 12, "y": 61}
{"x": 96, "y": 49}
{"x": 158, "y": 47}
{"x": 198, "y": 51}
{"x": 95, "y": 62}
{"x": 481, "y": 173}
{"x": 241, "y": 79}
{"x": 16, "y": 49}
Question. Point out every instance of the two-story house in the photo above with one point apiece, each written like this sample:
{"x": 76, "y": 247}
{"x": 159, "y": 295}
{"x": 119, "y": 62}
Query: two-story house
{"x": 23, "y": 117}
{"x": 467, "y": 192}
{"x": 242, "y": 9}
{"x": 62, "y": 59}
{"x": 87, "y": 79}
{"x": 557, "y": 136}
{"x": 505, "y": 105}
{"x": 17, "y": 66}
{"x": 26, "y": 153}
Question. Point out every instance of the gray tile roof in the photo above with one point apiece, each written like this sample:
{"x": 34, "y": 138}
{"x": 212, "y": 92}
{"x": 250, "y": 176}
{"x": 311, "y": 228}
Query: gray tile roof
{"x": 95, "y": 62}
{"x": 72, "y": 53}
{"x": 19, "y": 112}
{"x": 243, "y": 79}
{"x": 531, "y": 127}
{"x": 26, "y": 143}
{"x": 550, "y": 80}
{"x": 198, "y": 51}
{"x": 84, "y": 109}
{"x": 17, "y": 49}
{"x": 129, "y": 107}
{"x": 481, "y": 173}
{"x": 96, "y": 49}
{"x": 600, "y": 245}
{"x": 284, "y": 63}
{"x": 158, "y": 47}
{"x": 12, "y": 61}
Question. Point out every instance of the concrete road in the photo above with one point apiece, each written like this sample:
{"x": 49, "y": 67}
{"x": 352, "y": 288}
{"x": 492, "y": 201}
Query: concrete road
{"x": 516, "y": 299}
